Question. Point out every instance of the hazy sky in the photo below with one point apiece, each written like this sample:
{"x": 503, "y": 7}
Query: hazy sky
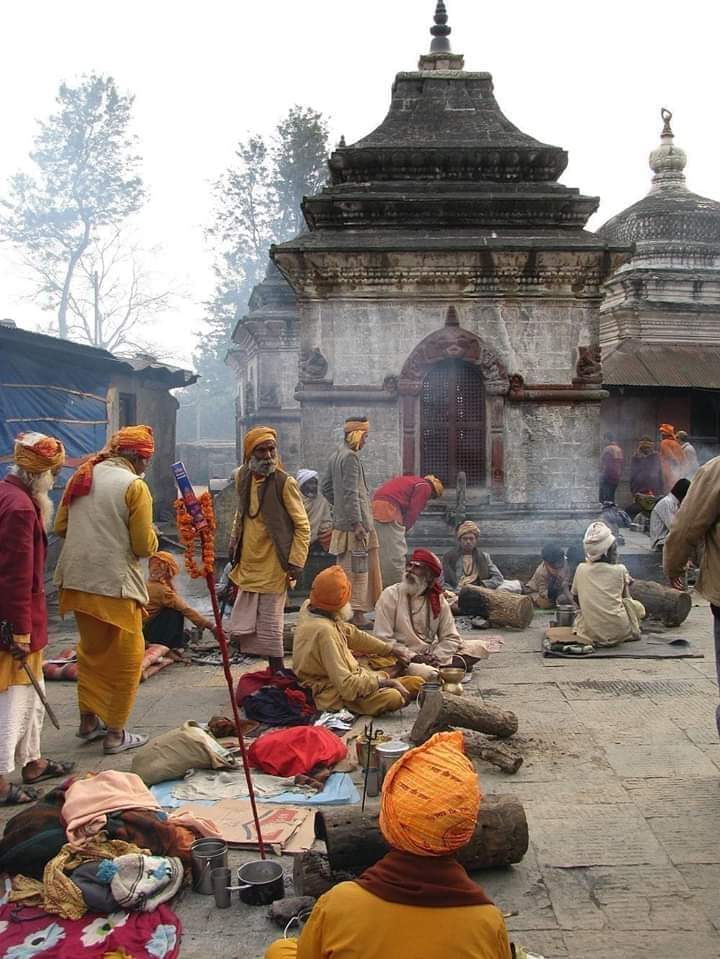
{"x": 590, "y": 77}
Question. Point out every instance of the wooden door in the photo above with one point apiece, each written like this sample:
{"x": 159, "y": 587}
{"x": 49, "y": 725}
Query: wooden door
{"x": 452, "y": 417}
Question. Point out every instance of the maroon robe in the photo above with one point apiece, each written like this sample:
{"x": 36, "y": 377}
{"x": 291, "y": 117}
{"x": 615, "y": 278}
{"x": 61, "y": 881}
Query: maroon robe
{"x": 23, "y": 549}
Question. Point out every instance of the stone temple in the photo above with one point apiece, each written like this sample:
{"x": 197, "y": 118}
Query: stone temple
{"x": 447, "y": 288}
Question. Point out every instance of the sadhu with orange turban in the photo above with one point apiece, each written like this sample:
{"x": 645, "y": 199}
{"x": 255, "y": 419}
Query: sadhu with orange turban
{"x": 166, "y": 610}
{"x": 106, "y": 518}
{"x": 417, "y": 900}
{"x": 672, "y": 457}
{"x": 37, "y": 453}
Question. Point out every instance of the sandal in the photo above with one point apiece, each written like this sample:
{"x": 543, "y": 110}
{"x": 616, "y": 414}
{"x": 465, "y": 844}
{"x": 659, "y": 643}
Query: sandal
{"x": 19, "y": 796}
{"x": 128, "y": 741}
{"x": 99, "y": 732}
{"x": 53, "y": 770}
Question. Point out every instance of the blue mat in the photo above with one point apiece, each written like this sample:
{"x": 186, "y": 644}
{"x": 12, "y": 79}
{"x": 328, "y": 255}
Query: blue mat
{"x": 339, "y": 791}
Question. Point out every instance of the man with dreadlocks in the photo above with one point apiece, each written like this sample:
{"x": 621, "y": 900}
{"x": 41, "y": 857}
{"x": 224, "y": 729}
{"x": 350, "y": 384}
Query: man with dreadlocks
{"x": 25, "y": 514}
{"x": 106, "y": 520}
{"x": 269, "y": 545}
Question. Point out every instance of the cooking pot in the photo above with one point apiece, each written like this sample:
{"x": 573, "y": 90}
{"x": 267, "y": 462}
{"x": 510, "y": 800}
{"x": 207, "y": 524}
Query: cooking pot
{"x": 260, "y": 882}
{"x": 565, "y": 615}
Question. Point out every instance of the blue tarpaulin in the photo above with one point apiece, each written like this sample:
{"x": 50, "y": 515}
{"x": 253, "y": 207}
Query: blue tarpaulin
{"x": 67, "y": 400}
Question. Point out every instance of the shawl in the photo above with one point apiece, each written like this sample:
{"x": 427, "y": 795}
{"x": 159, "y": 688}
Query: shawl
{"x": 433, "y": 881}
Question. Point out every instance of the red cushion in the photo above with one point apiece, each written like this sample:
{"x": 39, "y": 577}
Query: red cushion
{"x": 293, "y": 751}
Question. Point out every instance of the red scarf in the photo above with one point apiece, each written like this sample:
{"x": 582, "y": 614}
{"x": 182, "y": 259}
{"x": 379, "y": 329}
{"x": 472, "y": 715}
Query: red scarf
{"x": 422, "y": 881}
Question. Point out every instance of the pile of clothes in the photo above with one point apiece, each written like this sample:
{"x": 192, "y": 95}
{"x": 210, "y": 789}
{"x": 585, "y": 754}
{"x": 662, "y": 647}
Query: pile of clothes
{"x": 275, "y": 698}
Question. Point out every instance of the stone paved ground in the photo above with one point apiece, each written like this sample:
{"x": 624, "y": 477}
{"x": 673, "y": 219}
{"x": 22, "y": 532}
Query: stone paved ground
{"x": 620, "y": 784}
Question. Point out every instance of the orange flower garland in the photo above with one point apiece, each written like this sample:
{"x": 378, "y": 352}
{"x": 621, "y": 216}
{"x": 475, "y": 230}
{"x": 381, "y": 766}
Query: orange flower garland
{"x": 188, "y": 535}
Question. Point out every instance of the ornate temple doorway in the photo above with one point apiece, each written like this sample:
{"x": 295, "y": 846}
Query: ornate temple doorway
{"x": 453, "y": 435}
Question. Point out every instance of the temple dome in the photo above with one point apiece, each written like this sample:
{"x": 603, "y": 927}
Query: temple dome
{"x": 670, "y": 215}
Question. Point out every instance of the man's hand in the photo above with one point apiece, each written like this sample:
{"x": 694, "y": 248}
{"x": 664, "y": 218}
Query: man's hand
{"x": 361, "y": 534}
{"x": 294, "y": 572}
{"x": 394, "y": 684}
{"x": 402, "y": 653}
{"x": 20, "y": 648}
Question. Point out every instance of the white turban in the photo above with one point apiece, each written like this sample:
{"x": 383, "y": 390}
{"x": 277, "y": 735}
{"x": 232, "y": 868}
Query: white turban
{"x": 597, "y": 541}
{"x": 304, "y": 475}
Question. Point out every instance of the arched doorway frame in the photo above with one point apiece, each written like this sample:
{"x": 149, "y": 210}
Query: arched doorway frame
{"x": 453, "y": 342}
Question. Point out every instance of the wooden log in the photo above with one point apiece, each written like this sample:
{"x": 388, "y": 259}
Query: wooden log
{"x": 283, "y": 910}
{"x": 670, "y": 606}
{"x": 501, "y": 755}
{"x": 312, "y": 875}
{"x": 441, "y": 711}
{"x": 354, "y": 840}
{"x": 497, "y": 606}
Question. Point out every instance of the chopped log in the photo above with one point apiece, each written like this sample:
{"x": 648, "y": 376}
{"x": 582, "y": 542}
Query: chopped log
{"x": 670, "y": 606}
{"x": 354, "y": 840}
{"x": 501, "y": 755}
{"x": 441, "y": 711}
{"x": 497, "y": 606}
{"x": 283, "y": 910}
{"x": 312, "y": 875}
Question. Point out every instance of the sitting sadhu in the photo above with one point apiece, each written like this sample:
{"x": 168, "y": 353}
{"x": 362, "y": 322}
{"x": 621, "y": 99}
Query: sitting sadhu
{"x": 167, "y": 611}
{"x": 549, "y": 584}
{"x": 608, "y": 614}
{"x": 318, "y": 511}
{"x": 466, "y": 565}
{"x": 323, "y": 648}
{"x": 415, "y": 614}
{"x": 417, "y": 901}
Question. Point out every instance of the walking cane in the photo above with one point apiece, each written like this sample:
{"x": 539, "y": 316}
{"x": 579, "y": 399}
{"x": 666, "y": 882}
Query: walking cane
{"x": 202, "y": 523}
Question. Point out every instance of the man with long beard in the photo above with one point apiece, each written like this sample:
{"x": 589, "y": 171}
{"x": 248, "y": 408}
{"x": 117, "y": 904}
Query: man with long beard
{"x": 25, "y": 514}
{"x": 325, "y": 649}
{"x": 416, "y": 615}
{"x": 269, "y": 545}
{"x": 105, "y": 518}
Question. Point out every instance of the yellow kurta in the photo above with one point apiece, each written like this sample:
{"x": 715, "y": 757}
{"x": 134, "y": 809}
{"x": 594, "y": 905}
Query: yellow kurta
{"x": 350, "y": 922}
{"x": 259, "y": 569}
{"x": 12, "y": 673}
{"x": 111, "y": 647}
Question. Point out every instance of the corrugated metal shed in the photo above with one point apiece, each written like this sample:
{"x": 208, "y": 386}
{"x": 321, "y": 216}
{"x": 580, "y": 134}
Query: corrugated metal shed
{"x": 680, "y": 367}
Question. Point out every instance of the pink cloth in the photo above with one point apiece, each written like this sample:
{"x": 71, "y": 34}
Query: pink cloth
{"x": 256, "y": 622}
{"x": 88, "y": 802}
{"x": 203, "y": 828}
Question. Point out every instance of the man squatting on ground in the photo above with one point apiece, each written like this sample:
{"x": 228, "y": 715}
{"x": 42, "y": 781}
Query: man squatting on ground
{"x": 25, "y": 515}
{"x": 269, "y": 545}
{"x": 166, "y": 610}
{"x": 550, "y": 583}
{"x": 698, "y": 524}
{"x": 417, "y": 900}
{"x": 106, "y": 519}
{"x": 323, "y": 660}
{"x": 396, "y": 505}
{"x": 466, "y": 566}
{"x": 416, "y": 615}
{"x": 344, "y": 486}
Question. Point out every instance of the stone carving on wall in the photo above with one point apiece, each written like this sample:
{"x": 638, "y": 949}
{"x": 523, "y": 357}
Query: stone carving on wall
{"x": 588, "y": 368}
{"x": 517, "y": 384}
{"x": 269, "y": 397}
{"x": 312, "y": 364}
{"x": 390, "y": 384}
{"x": 249, "y": 399}
{"x": 452, "y": 343}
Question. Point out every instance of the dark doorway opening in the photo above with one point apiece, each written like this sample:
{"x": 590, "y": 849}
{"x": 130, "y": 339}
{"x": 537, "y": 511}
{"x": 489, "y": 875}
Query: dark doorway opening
{"x": 452, "y": 418}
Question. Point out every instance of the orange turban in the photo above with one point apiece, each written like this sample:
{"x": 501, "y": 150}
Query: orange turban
{"x": 667, "y": 430}
{"x": 37, "y": 453}
{"x": 256, "y": 436}
{"x": 330, "y": 590}
{"x": 431, "y": 798}
{"x": 436, "y": 484}
{"x": 168, "y": 560}
{"x": 129, "y": 440}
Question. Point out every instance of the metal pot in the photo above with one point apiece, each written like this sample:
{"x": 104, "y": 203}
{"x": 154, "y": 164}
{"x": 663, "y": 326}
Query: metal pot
{"x": 452, "y": 677}
{"x": 565, "y": 615}
{"x": 206, "y": 855}
{"x": 260, "y": 882}
{"x": 389, "y": 753}
{"x": 358, "y": 560}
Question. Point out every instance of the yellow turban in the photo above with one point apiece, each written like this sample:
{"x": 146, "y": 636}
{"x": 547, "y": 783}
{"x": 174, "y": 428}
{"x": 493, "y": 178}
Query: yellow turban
{"x": 431, "y": 798}
{"x": 38, "y": 453}
{"x": 355, "y": 429}
{"x": 468, "y": 527}
{"x": 256, "y": 436}
{"x": 133, "y": 439}
{"x": 436, "y": 484}
{"x": 168, "y": 560}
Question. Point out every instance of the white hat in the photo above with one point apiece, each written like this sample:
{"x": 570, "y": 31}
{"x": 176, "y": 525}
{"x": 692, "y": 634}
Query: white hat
{"x": 597, "y": 541}
{"x": 141, "y": 883}
{"x": 304, "y": 475}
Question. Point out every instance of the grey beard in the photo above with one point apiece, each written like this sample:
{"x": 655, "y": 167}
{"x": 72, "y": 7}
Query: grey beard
{"x": 413, "y": 586}
{"x": 262, "y": 467}
{"x": 39, "y": 486}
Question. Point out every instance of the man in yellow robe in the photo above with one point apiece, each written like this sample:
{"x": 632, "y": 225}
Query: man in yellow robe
{"x": 323, "y": 657}
{"x": 269, "y": 544}
{"x": 106, "y": 520}
{"x": 417, "y": 900}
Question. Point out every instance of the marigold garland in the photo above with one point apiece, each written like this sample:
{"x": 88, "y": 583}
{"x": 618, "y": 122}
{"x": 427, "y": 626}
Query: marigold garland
{"x": 188, "y": 534}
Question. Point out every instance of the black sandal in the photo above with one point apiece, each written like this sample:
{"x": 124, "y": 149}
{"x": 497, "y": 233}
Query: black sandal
{"x": 19, "y": 795}
{"x": 53, "y": 770}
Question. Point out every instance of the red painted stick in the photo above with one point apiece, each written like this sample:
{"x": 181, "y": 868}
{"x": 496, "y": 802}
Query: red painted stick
{"x": 222, "y": 642}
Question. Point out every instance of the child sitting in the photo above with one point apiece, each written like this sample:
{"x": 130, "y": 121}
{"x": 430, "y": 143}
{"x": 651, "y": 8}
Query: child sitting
{"x": 167, "y": 611}
{"x": 550, "y": 581}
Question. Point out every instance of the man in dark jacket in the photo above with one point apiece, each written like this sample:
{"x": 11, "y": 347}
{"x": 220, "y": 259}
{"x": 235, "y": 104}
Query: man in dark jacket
{"x": 269, "y": 543}
{"x": 25, "y": 513}
{"x": 345, "y": 488}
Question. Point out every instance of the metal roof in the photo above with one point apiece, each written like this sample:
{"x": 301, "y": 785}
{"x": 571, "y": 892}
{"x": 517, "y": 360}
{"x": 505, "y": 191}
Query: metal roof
{"x": 682, "y": 367}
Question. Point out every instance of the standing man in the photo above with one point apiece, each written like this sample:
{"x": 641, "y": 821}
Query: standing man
{"x": 345, "y": 488}
{"x": 269, "y": 545}
{"x": 25, "y": 514}
{"x": 106, "y": 520}
{"x": 318, "y": 510}
{"x": 611, "y": 465}
{"x": 672, "y": 458}
{"x": 698, "y": 522}
{"x": 692, "y": 464}
{"x": 396, "y": 506}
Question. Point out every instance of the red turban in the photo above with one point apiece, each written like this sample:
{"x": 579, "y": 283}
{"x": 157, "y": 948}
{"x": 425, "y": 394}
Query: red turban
{"x": 431, "y": 561}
